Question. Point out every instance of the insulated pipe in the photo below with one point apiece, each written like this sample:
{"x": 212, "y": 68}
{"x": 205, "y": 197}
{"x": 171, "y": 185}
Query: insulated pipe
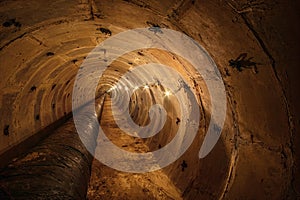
{"x": 59, "y": 167}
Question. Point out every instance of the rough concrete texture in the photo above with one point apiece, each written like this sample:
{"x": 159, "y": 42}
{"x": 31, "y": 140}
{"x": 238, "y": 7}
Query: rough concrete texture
{"x": 43, "y": 43}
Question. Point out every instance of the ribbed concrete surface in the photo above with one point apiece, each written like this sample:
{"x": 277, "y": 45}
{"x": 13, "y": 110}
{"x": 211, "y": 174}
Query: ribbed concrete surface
{"x": 256, "y": 157}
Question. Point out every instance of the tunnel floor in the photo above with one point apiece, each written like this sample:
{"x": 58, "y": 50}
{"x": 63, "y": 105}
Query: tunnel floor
{"x": 113, "y": 184}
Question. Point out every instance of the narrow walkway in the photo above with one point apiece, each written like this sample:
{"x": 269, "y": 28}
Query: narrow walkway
{"x": 107, "y": 183}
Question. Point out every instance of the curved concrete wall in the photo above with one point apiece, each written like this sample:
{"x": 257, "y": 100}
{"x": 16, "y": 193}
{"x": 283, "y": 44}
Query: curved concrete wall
{"x": 42, "y": 45}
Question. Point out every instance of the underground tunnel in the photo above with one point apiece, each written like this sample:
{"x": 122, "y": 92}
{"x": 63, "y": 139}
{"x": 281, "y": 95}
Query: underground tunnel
{"x": 200, "y": 97}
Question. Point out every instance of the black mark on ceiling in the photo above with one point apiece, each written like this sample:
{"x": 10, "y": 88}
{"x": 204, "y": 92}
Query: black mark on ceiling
{"x": 177, "y": 120}
{"x": 33, "y": 88}
{"x": 50, "y": 53}
{"x": 6, "y": 130}
{"x": 105, "y": 31}
{"x": 243, "y": 62}
{"x": 11, "y": 22}
{"x": 53, "y": 86}
{"x": 37, "y": 117}
{"x": 140, "y": 53}
{"x": 183, "y": 165}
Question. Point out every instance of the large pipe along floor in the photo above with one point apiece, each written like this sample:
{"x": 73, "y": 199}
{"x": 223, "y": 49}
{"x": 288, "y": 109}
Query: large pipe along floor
{"x": 51, "y": 146}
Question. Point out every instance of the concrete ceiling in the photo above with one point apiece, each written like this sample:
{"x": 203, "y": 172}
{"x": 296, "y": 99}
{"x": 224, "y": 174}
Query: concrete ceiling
{"x": 44, "y": 43}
